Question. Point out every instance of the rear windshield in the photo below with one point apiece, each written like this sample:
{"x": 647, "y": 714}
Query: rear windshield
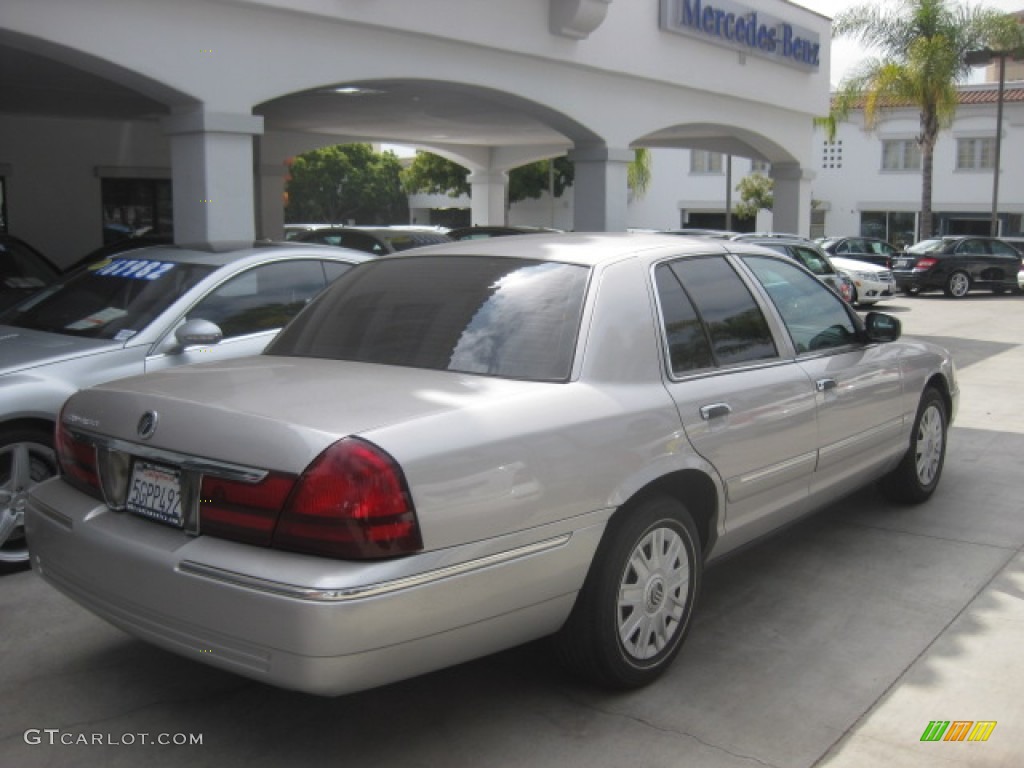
{"x": 109, "y": 300}
{"x": 926, "y": 246}
{"x": 512, "y": 318}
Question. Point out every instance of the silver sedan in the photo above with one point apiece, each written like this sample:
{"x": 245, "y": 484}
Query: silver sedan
{"x": 146, "y": 310}
{"x": 488, "y": 442}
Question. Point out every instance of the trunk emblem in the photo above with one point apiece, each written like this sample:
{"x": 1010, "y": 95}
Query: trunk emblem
{"x": 147, "y": 425}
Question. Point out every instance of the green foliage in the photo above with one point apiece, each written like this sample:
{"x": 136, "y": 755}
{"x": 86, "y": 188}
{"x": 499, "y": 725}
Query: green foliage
{"x": 922, "y": 47}
{"x": 756, "y": 193}
{"x": 346, "y": 182}
{"x": 432, "y": 174}
{"x": 638, "y": 174}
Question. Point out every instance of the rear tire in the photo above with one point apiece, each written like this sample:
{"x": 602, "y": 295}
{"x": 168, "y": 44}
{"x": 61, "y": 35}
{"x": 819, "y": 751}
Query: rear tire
{"x": 917, "y": 476}
{"x": 633, "y": 613}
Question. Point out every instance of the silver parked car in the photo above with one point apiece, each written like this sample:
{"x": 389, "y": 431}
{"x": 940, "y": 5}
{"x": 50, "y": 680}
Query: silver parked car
{"x": 142, "y": 311}
{"x": 455, "y": 451}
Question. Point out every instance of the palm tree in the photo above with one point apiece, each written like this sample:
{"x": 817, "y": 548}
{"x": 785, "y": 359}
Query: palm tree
{"x": 922, "y": 46}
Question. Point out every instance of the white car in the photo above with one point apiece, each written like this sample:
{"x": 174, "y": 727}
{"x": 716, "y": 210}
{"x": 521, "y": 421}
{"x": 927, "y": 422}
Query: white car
{"x": 871, "y": 282}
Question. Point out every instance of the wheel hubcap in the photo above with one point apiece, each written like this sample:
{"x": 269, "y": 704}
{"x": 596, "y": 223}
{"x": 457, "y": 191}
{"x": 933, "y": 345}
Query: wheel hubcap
{"x": 653, "y": 593}
{"x": 959, "y": 285}
{"x": 928, "y": 452}
{"x": 22, "y": 465}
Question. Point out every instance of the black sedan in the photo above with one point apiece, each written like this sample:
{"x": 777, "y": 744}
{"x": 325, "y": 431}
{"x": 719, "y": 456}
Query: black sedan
{"x": 23, "y": 270}
{"x": 869, "y": 249}
{"x": 956, "y": 264}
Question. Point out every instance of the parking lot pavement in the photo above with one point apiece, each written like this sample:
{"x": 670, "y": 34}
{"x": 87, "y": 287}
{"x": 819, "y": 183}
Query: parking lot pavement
{"x": 835, "y": 643}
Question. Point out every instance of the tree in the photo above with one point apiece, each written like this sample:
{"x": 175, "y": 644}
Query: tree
{"x": 346, "y": 182}
{"x": 757, "y": 192}
{"x": 922, "y": 46}
{"x": 432, "y": 174}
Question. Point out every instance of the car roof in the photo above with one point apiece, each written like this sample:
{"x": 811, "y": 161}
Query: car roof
{"x": 220, "y": 254}
{"x": 583, "y": 248}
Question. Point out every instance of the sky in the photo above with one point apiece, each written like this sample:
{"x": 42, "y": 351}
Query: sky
{"x": 846, "y": 53}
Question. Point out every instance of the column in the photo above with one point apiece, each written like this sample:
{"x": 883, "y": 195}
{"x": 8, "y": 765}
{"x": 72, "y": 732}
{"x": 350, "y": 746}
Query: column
{"x": 212, "y": 174}
{"x": 488, "y": 193}
{"x": 791, "y": 211}
{"x": 600, "y": 191}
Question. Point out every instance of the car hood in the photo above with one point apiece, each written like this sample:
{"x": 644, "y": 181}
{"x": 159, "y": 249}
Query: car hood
{"x": 21, "y": 348}
{"x": 841, "y": 262}
{"x": 277, "y": 412}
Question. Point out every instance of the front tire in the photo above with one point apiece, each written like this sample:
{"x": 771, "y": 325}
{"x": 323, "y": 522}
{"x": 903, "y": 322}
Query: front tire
{"x": 917, "y": 476}
{"x": 957, "y": 285}
{"x": 26, "y": 458}
{"x": 634, "y": 610}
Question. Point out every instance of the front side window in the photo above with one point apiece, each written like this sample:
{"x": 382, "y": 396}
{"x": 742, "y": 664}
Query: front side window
{"x": 262, "y": 298}
{"x": 735, "y": 325}
{"x": 507, "y": 317}
{"x": 815, "y": 318}
{"x": 901, "y": 155}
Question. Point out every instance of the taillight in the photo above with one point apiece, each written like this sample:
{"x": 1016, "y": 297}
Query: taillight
{"x": 246, "y": 512}
{"x": 925, "y": 263}
{"x": 351, "y": 502}
{"x": 77, "y": 459}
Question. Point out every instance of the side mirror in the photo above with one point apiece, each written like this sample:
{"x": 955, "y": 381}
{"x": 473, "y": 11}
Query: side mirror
{"x": 882, "y": 327}
{"x": 197, "y": 333}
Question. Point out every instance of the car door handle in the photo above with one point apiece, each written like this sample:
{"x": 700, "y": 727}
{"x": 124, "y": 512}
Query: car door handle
{"x": 824, "y": 385}
{"x": 714, "y": 411}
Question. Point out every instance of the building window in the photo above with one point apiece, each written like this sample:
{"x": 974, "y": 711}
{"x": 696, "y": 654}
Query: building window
{"x": 975, "y": 154}
{"x": 136, "y": 207}
{"x": 897, "y": 227}
{"x": 702, "y": 161}
{"x": 760, "y": 166}
{"x": 832, "y": 154}
{"x": 901, "y": 155}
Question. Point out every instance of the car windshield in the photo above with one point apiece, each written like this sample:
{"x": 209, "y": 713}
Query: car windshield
{"x": 925, "y": 246}
{"x": 403, "y": 241}
{"x": 112, "y": 300}
{"x": 505, "y": 317}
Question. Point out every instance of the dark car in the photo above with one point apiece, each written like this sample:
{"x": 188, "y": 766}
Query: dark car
{"x": 375, "y": 240}
{"x": 484, "y": 232}
{"x": 809, "y": 255}
{"x": 23, "y": 270}
{"x": 870, "y": 249}
{"x": 957, "y": 264}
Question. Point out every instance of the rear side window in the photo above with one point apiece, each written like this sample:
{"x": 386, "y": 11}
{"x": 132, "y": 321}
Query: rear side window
{"x": 514, "y": 318}
{"x": 735, "y": 326}
{"x": 688, "y": 346}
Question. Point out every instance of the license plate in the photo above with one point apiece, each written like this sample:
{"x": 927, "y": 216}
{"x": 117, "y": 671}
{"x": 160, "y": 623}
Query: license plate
{"x": 155, "y": 492}
{"x": 902, "y": 262}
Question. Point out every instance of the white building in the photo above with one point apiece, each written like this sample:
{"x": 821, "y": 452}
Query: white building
{"x": 135, "y": 111}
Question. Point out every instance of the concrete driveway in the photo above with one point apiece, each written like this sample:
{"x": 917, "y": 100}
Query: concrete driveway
{"x": 835, "y": 643}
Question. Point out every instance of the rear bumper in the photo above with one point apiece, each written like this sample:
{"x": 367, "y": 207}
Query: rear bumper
{"x": 311, "y": 624}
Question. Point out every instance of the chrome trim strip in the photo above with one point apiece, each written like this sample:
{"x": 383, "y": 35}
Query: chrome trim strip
{"x": 761, "y": 474}
{"x": 867, "y": 435}
{"x": 347, "y": 594}
{"x": 187, "y": 463}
